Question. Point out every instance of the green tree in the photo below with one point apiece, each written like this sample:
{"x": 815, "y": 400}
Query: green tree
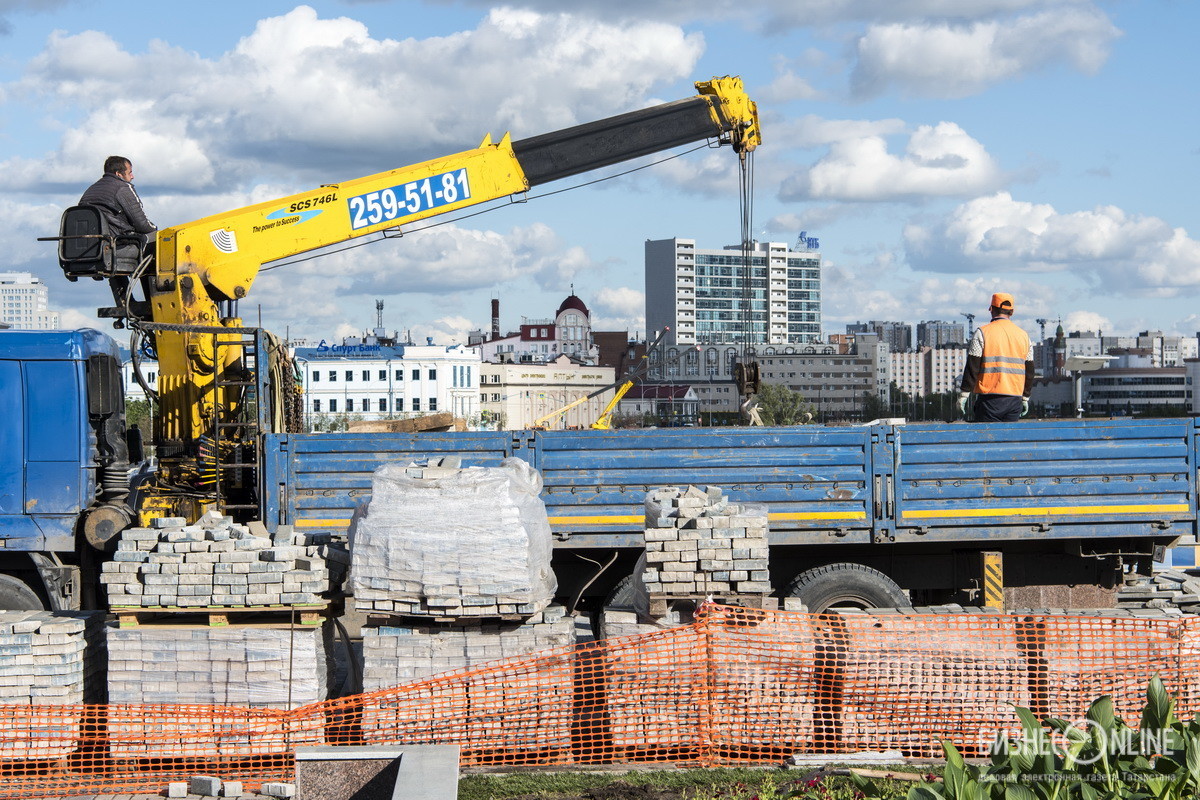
{"x": 779, "y": 405}
{"x": 328, "y": 423}
{"x": 140, "y": 413}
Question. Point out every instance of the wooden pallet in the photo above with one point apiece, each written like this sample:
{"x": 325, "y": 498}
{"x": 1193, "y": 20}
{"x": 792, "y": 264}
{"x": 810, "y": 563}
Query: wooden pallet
{"x": 218, "y": 616}
{"x": 376, "y": 619}
{"x": 660, "y": 604}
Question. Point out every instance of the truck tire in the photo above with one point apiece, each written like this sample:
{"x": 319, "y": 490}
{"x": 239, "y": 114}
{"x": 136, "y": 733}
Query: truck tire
{"x": 621, "y": 598}
{"x": 15, "y": 595}
{"x": 845, "y": 585}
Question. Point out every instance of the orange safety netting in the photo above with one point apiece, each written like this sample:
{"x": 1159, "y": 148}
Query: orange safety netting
{"x": 738, "y": 686}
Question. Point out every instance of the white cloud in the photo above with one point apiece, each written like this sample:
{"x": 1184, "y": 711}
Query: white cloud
{"x": 777, "y": 14}
{"x": 1105, "y": 246}
{"x": 301, "y": 90}
{"x": 618, "y": 308}
{"x": 1084, "y": 321}
{"x": 788, "y": 86}
{"x": 813, "y": 131}
{"x": 713, "y": 172}
{"x": 426, "y": 270}
{"x": 883, "y": 287}
{"x": 446, "y": 330}
{"x": 939, "y": 160}
{"x": 940, "y": 59}
{"x": 74, "y": 318}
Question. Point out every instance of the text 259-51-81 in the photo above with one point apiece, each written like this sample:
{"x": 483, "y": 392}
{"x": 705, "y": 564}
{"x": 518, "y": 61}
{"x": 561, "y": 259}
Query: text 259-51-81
{"x": 389, "y": 205}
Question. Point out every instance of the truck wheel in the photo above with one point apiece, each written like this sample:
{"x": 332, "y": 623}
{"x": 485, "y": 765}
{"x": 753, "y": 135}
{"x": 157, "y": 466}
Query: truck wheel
{"x": 846, "y": 585}
{"x": 15, "y": 595}
{"x": 621, "y": 598}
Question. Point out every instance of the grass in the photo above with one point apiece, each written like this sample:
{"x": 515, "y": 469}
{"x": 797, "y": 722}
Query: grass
{"x": 690, "y": 784}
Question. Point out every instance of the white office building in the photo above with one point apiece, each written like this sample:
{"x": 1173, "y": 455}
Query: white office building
{"x": 712, "y": 297}
{"x": 376, "y": 381}
{"x": 515, "y": 396}
{"x": 25, "y": 302}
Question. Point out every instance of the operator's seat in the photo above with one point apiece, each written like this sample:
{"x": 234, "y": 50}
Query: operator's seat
{"x": 87, "y": 248}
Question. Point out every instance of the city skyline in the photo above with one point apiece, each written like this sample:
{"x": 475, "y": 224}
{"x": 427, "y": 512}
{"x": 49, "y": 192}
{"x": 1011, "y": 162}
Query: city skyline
{"x": 1023, "y": 145}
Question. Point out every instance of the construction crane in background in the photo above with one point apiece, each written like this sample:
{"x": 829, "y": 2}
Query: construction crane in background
{"x": 970, "y": 324}
{"x": 604, "y": 421}
{"x": 1041, "y": 321}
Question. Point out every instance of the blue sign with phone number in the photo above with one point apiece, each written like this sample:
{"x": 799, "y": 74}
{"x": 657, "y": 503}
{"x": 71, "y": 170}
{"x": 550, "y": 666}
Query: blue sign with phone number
{"x": 389, "y": 205}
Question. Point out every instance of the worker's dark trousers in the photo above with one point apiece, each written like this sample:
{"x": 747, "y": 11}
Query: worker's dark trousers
{"x": 997, "y": 408}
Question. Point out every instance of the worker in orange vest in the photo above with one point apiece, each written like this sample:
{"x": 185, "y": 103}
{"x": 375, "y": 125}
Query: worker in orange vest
{"x": 999, "y": 368}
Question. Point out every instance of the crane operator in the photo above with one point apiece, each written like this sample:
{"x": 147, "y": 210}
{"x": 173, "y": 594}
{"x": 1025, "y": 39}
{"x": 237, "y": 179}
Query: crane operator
{"x": 118, "y": 201}
{"x": 999, "y": 367}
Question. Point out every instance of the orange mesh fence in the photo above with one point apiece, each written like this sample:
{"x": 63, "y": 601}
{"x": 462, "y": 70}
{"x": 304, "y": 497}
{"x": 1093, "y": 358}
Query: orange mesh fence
{"x": 738, "y": 686}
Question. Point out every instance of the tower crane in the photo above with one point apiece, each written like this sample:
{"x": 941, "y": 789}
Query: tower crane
{"x": 970, "y": 323}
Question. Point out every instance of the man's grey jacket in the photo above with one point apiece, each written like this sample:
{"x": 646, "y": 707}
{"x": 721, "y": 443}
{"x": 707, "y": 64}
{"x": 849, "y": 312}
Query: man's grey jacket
{"x": 120, "y": 204}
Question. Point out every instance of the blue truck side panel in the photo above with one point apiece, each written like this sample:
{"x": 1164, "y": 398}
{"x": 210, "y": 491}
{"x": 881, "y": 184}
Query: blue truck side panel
{"x": 313, "y": 481}
{"x": 1051, "y": 479}
{"x": 905, "y": 483}
{"x": 814, "y": 480}
{"x": 12, "y": 439}
{"x": 45, "y": 440}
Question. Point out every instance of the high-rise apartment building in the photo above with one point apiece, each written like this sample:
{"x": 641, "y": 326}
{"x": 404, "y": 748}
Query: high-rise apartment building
{"x": 713, "y": 297}
{"x": 898, "y": 336}
{"x": 936, "y": 333}
{"x": 24, "y": 302}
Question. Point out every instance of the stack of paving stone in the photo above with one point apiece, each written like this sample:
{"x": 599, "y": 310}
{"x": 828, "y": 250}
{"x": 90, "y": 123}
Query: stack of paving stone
{"x": 524, "y": 708}
{"x": 697, "y": 542}
{"x": 216, "y": 563}
{"x": 1169, "y": 591}
{"x": 259, "y": 666}
{"x": 48, "y": 658}
{"x": 453, "y": 567}
{"x": 443, "y": 542}
{"x": 402, "y": 653}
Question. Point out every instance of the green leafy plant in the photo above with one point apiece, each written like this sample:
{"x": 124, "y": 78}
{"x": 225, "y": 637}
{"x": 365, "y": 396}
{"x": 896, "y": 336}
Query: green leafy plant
{"x": 1099, "y": 758}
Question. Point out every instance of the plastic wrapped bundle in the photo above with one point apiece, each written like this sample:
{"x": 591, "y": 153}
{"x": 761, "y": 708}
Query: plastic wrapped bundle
{"x": 448, "y": 542}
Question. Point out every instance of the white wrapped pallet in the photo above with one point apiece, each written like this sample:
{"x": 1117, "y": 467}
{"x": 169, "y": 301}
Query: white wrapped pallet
{"x": 445, "y": 542}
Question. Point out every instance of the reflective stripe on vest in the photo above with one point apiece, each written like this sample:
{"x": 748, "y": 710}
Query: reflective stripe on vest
{"x": 1005, "y": 347}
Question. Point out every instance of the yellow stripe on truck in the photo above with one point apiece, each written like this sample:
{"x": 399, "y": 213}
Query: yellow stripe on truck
{"x": 1047, "y": 511}
{"x": 624, "y": 519}
{"x": 817, "y": 516}
{"x": 636, "y": 519}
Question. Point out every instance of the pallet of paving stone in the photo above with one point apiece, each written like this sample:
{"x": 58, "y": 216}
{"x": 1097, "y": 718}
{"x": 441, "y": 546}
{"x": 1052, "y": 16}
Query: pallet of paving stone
{"x": 217, "y": 562}
{"x": 219, "y": 616}
{"x": 238, "y": 679}
{"x": 514, "y": 706}
{"x": 51, "y": 664}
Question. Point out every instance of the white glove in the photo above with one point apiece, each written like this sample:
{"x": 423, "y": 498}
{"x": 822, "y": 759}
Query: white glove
{"x": 1024, "y": 407}
{"x": 962, "y": 402}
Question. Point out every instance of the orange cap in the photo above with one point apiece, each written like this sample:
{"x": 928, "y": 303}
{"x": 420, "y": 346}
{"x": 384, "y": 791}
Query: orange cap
{"x": 1003, "y": 301}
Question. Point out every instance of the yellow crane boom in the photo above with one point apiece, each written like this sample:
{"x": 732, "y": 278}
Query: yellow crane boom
{"x": 202, "y": 268}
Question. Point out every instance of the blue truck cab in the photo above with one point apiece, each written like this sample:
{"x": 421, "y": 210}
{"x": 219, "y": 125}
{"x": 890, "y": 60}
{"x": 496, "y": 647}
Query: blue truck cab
{"x": 64, "y": 477}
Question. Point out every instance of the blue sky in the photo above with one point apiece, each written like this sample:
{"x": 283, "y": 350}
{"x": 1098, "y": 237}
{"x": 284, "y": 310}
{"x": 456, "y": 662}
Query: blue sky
{"x": 939, "y": 149}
